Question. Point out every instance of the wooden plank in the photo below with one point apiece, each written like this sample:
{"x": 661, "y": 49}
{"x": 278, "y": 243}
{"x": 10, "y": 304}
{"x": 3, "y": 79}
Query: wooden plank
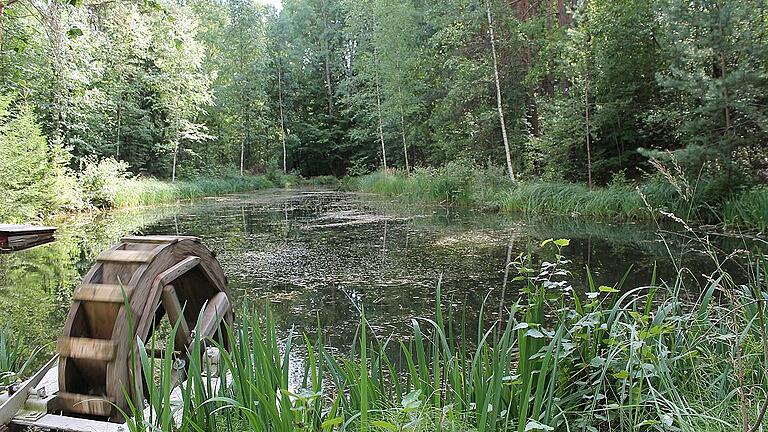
{"x": 177, "y": 270}
{"x": 85, "y": 404}
{"x": 213, "y": 315}
{"x": 106, "y": 293}
{"x": 70, "y": 424}
{"x": 126, "y": 256}
{"x": 183, "y": 337}
{"x": 25, "y": 229}
{"x": 16, "y": 402}
{"x": 86, "y": 348}
{"x": 157, "y": 239}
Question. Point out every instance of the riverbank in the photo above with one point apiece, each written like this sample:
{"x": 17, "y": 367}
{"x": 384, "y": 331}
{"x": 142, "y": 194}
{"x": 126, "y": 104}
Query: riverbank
{"x": 106, "y": 185}
{"x": 490, "y": 189}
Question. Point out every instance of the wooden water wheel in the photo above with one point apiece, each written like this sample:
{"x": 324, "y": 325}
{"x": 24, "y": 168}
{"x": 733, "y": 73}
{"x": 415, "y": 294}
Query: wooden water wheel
{"x": 159, "y": 277}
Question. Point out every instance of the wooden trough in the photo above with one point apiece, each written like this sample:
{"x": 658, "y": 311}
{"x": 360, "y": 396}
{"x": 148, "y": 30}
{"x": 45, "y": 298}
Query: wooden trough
{"x": 18, "y": 237}
{"x": 140, "y": 281}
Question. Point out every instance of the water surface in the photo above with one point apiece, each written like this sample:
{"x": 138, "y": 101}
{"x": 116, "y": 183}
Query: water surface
{"x": 320, "y": 256}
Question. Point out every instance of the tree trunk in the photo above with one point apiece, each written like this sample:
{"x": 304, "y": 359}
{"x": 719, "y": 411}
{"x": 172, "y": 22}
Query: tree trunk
{"x": 402, "y": 129}
{"x": 282, "y": 120}
{"x": 175, "y": 156}
{"x": 499, "y": 102}
{"x": 405, "y": 143}
{"x": 56, "y": 37}
{"x": 589, "y": 135}
{"x": 327, "y": 52}
{"x": 381, "y": 124}
{"x": 117, "y": 153}
{"x": 2, "y": 15}
{"x": 242, "y": 155}
{"x": 726, "y": 108}
{"x": 588, "y": 53}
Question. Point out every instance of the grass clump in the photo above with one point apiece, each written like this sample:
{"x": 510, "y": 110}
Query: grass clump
{"x": 463, "y": 184}
{"x": 143, "y": 192}
{"x": 15, "y": 358}
{"x": 613, "y": 358}
{"x": 749, "y": 208}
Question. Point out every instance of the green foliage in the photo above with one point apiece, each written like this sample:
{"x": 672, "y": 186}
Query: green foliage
{"x": 611, "y": 358}
{"x": 193, "y": 89}
{"x": 101, "y": 181}
{"x": 34, "y": 179}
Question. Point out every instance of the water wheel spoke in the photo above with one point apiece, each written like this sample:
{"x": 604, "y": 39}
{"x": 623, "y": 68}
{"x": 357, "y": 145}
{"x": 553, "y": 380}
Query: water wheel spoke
{"x": 175, "y": 311}
{"x": 213, "y": 315}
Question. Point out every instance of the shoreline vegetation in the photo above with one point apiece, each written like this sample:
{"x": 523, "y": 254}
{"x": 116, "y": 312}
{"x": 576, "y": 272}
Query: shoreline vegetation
{"x": 490, "y": 190}
{"x": 681, "y": 355}
{"x": 107, "y": 184}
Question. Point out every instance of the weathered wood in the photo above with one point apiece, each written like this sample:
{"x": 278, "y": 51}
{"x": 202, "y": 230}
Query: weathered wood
{"x": 19, "y": 237}
{"x": 175, "y": 313}
{"x": 70, "y": 424}
{"x": 177, "y": 270}
{"x": 146, "y": 265}
{"x": 213, "y": 315}
{"x": 126, "y": 256}
{"x": 108, "y": 293}
{"x": 86, "y": 348}
{"x": 158, "y": 239}
{"x": 85, "y": 404}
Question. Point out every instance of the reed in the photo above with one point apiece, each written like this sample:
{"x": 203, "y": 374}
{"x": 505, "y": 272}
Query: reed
{"x": 749, "y": 208}
{"x": 703, "y": 201}
{"x": 145, "y": 191}
{"x": 15, "y": 357}
{"x": 612, "y": 358}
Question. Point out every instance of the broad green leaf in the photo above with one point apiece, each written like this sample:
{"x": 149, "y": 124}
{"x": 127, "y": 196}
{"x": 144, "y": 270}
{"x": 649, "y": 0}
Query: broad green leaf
{"x": 533, "y": 425}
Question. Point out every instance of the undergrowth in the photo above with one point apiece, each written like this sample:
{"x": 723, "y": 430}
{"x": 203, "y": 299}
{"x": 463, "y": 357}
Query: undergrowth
{"x": 702, "y": 201}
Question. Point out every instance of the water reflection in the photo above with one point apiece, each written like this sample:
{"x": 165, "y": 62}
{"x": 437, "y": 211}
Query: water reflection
{"x": 319, "y": 256}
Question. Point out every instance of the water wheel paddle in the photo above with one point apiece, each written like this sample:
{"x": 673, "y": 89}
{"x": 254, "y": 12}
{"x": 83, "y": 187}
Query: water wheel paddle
{"x": 158, "y": 276}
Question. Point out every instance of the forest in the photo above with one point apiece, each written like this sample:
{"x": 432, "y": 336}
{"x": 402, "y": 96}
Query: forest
{"x": 478, "y": 215}
{"x": 557, "y": 92}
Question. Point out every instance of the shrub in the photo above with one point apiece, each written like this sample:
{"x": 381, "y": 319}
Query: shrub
{"x": 34, "y": 177}
{"x": 101, "y": 180}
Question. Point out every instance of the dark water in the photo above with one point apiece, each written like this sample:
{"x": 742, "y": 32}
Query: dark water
{"x": 316, "y": 255}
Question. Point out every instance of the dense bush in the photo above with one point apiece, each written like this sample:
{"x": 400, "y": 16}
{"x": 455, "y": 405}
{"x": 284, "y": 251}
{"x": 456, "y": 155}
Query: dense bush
{"x": 34, "y": 178}
{"x": 101, "y": 180}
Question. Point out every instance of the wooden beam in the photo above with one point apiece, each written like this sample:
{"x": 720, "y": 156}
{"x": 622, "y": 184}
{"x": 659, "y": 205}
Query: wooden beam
{"x": 213, "y": 315}
{"x": 158, "y": 239}
{"x": 106, "y": 293}
{"x": 173, "y": 308}
{"x": 126, "y": 256}
{"x": 86, "y": 348}
{"x": 85, "y": 404}
{"x": 177, "y": 270}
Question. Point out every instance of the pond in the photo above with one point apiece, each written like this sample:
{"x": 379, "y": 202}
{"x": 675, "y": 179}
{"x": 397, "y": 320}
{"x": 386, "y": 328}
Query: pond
{"x": 316, "y": 255}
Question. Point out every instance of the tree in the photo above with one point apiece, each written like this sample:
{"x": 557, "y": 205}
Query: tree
{"x": 716, "y": 52}
{"x": 499, "y": 103}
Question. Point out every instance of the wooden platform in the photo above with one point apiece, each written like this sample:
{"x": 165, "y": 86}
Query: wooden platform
{"x": 19, "y": 237}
